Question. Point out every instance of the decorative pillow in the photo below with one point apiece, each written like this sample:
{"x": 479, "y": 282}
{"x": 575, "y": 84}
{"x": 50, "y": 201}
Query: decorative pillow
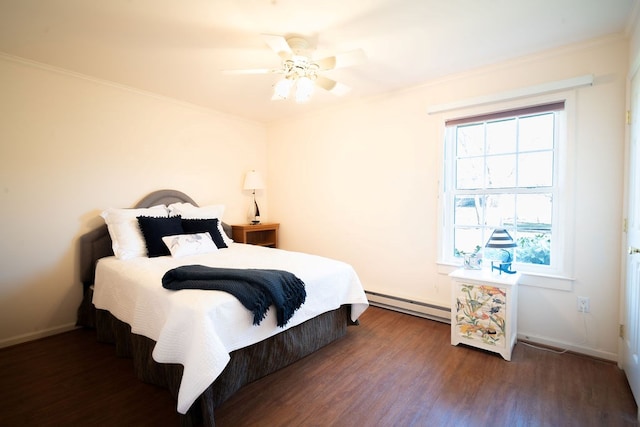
{"x": 126, "y": 238}
{"x": 189, "y": 211}
{"x": 154, "y": 229}
{"x": 190, "y": 244}
{"x": 211, "y": 226}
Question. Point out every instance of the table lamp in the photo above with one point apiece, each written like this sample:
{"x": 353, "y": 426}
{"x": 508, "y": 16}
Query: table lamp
{"x": 502, "y": 257}
{"x": 253, "y": 181}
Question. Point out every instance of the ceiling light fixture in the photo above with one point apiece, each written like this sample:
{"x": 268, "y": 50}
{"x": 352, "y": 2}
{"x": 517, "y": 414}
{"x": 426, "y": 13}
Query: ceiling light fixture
{"x": 299, "y": 73}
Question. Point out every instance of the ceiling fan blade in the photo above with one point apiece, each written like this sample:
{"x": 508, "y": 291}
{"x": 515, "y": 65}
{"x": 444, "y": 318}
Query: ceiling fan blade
{"x": 347, "y": 59}
{"x": 278, "y": 44}
{"x": 332, "y": 86}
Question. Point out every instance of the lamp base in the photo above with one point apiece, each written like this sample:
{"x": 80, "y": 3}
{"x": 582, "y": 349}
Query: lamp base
{"x": 502, "y": 267}
{"x": 255, "y": 222}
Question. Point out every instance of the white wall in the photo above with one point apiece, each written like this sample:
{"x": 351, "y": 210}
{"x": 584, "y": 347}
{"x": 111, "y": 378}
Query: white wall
{"x": 358, "y": 183}
{"x": 71, "y": 146}
{"x": 361, "y": 184}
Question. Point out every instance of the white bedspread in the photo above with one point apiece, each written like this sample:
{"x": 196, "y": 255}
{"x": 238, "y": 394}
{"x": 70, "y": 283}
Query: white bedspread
{"x": 199, "y": 329}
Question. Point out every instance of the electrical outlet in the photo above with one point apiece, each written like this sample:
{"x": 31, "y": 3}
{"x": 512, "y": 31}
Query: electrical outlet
{"x": 583, "y": 304}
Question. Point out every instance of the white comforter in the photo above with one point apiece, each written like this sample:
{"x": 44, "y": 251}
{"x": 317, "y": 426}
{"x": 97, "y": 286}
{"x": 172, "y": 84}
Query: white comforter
{"x": 199, "y": 329}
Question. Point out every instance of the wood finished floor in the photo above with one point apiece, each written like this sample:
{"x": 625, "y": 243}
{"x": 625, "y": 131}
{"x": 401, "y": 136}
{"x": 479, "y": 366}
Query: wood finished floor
{"x": 392, "y": 370}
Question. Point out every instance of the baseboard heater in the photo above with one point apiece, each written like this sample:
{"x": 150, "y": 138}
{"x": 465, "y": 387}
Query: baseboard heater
{"x": 415, "y": 308}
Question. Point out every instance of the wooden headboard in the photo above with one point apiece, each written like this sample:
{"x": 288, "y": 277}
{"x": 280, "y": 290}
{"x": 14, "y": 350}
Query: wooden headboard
{"x": 96, "y": 244}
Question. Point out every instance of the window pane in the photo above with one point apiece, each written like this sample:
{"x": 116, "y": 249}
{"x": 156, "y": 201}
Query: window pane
{"x": 468, "y": 210}
{"x": 537, "y": 132}
{"x": 466, "y": 240}
{"x": 534, "y": 228}
{"x": 535, "y": 169}
{"x": 534, "y": 248}
{"x": 534, "y": 213}
{"x": 470, "y": 140}
{"x": 501, "y": 210}
{"x": 501, "y": 137}
{"x": 469, "y": 173}
{"x": 501, "y": 171}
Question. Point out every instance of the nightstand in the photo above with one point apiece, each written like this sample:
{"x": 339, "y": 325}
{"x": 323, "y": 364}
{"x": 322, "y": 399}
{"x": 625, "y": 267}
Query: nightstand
{"x": 265, "y": 234}
{"x": 484, "y": 310}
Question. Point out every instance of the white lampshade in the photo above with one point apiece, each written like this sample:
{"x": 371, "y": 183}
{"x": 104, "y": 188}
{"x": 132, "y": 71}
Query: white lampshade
{"x": 304, "y": 89}
{"x": 281, "y": 89}
{"x": 253, "y": 181}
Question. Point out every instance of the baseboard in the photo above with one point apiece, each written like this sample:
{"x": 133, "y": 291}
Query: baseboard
{"x": 571, "y": 348}
{"x": 407, "y": 306}
{"x": 36, "y": 335}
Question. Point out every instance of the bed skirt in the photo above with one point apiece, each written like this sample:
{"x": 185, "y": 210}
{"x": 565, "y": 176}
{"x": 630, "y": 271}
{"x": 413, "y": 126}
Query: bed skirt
{"x": 246, "y": 365}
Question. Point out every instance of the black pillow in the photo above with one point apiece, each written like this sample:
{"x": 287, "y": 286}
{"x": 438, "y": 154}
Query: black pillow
{"x": 191, "y": 226}
{"x": 154, "y": 229}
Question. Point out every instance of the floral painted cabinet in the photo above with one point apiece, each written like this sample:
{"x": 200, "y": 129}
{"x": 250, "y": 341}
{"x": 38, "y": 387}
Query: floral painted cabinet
{"x": 484, "y": 310}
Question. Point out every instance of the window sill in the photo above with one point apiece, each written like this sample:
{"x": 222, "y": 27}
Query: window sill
{"x": 538, "y": 280}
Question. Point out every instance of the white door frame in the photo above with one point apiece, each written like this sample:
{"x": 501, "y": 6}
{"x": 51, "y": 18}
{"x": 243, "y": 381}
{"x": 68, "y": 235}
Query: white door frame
{"x": 629, "y": 343}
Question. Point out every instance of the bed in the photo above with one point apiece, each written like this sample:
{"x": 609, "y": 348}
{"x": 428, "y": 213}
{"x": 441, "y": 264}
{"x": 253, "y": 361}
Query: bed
{"x": 204, "y": 345}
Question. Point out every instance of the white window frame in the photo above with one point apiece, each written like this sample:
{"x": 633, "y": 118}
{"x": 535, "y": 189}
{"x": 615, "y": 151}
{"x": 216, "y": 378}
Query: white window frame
{"x": 558, "y": 275}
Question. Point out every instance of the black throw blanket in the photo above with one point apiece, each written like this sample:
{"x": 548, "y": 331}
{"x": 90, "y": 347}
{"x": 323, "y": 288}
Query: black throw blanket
{"x": 256, "y": 289}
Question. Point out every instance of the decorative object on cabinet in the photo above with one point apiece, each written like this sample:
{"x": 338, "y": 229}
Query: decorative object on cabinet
{"x": 265, "y": 234}
{"x": 484, "y": 310}
{"x": 253, "y": 181}
{"x": 473, "y": 261}
{"x": 501, "y": 246}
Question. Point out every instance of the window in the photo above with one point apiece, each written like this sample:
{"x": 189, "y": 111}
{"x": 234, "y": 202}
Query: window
{"x": 502, "y": 171}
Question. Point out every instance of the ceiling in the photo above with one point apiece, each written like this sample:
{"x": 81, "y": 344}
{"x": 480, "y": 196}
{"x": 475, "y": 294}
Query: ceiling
{"x": 179, "y": 48}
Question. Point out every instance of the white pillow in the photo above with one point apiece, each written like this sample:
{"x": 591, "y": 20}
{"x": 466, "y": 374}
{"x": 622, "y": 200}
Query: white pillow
{"x": 190, "y": 244}
{"x": 189, "y": 211}
{"x": 126, "y": 237}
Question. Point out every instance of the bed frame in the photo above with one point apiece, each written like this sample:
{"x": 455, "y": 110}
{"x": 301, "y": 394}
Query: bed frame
{"x": 246, "y": 365}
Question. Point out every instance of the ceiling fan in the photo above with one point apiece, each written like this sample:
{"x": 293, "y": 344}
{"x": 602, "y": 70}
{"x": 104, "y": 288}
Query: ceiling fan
{"x": 300, "y": 71}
